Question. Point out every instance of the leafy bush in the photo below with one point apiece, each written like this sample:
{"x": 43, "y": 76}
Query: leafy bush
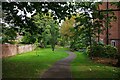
{"x": 96, "y": 51}
{"x": 88, "y": 50}
{"x": 79, "y": 46}
{"x": 28, "y": 39}
{"x": 61, "y": 42}
{"x": 111, "y": 50}
{"x": 8, "y": 35}
{"x": 13, "y": 42}
{"x": 101, "y": 51}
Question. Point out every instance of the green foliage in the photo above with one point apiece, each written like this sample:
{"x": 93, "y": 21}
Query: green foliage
{"x": 36, "y": 24}
{"x": 28, "y": 39}
{"x": 79, "y": 46}
{"x": 36, "y": 43}
{"x": 98, "y": 50}
{"x": 93, "y": 24}
{"x": 59, "y": 11}
{"x": 49, "y": 29}
{"x": 8, "y": 35}
{"x": 54, "y": 34}
{"x": 111, "y": 51}
{"x": 71, "y": 34}
{"x": 61, "y": 42}
{"x": 116, "y": 4}
{"x": 87, "y": 24}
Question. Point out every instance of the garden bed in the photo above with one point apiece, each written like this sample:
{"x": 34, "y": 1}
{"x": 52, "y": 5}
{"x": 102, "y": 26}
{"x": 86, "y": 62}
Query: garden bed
{"x": 107, "y": 61}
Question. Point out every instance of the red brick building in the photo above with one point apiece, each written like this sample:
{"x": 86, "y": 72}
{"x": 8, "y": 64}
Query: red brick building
{"x": 114, "y": 31}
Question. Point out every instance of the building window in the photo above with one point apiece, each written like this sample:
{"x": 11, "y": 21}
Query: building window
{"x": 113, "y": 43}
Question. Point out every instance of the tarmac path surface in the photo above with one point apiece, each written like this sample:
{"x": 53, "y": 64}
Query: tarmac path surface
{"x": 60, "y": 69}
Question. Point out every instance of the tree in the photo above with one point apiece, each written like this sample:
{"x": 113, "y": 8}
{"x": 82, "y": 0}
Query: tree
{"x": 49, "y": 29}
{"x": 26, "y": 24}
{"x": 54, "y": 34}
{"x": 58, "y": 10}
{"x": 41, "y": 22}
{"x": 93, "y": 20}
{"x": 89, "y": 22}
{"x": 67, "y": 29}
{"x": 8, "y": 34}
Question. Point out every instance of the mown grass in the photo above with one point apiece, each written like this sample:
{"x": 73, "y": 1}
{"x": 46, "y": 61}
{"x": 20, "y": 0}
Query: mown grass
{"x": 31, "y": 64}
{"x": 84, "y": 69}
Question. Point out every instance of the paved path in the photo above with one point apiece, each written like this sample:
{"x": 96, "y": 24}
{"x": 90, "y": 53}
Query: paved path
{"x": 60, "y": 69}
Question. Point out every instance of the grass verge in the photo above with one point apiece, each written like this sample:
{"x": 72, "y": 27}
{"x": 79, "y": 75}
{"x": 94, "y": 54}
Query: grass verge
{"x": 82, "y": 67}
{"x": 31, "y": 64}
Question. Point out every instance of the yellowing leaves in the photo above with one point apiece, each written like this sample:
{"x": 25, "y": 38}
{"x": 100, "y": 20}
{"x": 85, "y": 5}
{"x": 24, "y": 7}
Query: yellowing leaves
{"x": 67, "y": 27}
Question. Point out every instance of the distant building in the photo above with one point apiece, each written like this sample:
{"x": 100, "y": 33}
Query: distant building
{"x": 114, "y": 31}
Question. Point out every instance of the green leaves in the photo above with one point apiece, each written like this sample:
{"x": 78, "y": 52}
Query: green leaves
{"x": 49, "y": 29}
{"x": 54, "y": 34}
{"x": 8, "y": 34}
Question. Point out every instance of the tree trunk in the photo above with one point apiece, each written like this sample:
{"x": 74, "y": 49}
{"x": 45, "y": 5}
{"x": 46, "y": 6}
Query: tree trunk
{"x": 107, "y": 31}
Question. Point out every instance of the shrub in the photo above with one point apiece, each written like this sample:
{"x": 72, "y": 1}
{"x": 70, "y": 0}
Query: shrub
{"x": 111, "y": 51}
{"x": 12, "y": 42}
{"x": 88, "y": 51}
{"x": 28, "y": 39}
{"x": 102, "y": 51}
{"x": 62, "y": 43}
{"x": 96, "y": 51}
{"x": 78, "y": 46}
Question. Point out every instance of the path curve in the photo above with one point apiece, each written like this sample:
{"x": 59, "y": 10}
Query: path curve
{"x": 60, "y": 69}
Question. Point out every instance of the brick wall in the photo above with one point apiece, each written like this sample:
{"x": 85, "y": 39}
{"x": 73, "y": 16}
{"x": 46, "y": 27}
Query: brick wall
{"x": 119, "y": 31}
{"x": 25, "y": 48}
{"x": 10, "y": 50}
{"x": 114, "y": 31}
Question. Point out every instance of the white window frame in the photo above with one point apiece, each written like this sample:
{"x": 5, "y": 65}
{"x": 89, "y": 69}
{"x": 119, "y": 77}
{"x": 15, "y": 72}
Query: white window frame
{"x": 113, "y": 42}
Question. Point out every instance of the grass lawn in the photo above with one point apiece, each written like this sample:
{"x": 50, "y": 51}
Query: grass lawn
{"x": 30, "y": 65}
{"x": 82, "y": 67}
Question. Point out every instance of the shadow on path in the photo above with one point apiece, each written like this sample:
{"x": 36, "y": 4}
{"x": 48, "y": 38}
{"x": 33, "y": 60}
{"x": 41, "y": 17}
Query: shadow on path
{"x": 60, "y": 69}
